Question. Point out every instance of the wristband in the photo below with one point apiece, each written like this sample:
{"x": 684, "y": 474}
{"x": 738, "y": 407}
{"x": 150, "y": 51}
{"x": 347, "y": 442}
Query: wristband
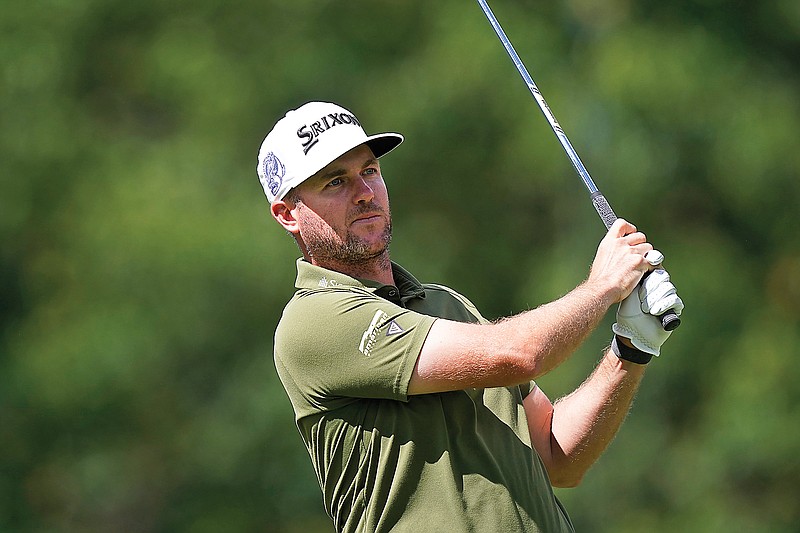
{"x": 627, "y": 353}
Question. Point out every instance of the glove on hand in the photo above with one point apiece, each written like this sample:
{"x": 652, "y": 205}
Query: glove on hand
{"x": 637, "y": 315}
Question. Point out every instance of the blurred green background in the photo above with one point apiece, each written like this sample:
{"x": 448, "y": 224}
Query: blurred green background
{"x": 141, "y": 276}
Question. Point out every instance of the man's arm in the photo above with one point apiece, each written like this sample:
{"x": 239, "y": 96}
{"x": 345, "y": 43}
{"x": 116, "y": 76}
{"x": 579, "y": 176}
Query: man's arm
{"x": 518, "y": 349}
{"x": 509, "y": 352}
{"x": 572, "y": 434}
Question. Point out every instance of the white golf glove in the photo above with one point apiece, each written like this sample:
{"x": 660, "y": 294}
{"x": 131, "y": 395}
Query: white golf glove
{"x": 637, "y": 315}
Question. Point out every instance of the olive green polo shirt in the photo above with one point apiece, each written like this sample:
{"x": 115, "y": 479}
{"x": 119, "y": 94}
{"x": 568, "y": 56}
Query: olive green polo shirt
{"x": 386, "y": 461}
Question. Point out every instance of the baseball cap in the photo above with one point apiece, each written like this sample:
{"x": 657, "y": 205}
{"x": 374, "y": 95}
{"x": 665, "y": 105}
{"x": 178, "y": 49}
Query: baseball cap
{"x": 309, "y": 138}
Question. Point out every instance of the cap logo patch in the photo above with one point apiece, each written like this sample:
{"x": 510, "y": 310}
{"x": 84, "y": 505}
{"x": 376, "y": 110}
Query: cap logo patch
{"x": 274, "y": 171}
{"x": 309, "y": 133}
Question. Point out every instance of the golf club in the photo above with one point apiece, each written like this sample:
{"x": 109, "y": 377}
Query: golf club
{"x": 669, "y": 320}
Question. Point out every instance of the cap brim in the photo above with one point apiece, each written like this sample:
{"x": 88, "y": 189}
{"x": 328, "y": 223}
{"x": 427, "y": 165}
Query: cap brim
{"x": 383, "y": 143}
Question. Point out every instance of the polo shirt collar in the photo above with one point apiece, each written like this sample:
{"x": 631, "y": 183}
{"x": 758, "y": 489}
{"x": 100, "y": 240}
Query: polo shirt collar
{"x": 314, "y": 277}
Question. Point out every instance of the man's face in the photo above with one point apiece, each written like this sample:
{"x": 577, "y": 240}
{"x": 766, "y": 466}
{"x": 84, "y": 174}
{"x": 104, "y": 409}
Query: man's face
{"x": 343, "y": 214}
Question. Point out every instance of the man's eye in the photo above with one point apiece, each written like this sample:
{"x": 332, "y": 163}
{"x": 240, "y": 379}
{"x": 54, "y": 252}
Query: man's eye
{"x": 335, "y": 182}
{"x": 370, "y": 171}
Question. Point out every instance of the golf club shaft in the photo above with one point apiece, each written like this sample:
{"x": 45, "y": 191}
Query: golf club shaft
{"x": 669, "y": 320}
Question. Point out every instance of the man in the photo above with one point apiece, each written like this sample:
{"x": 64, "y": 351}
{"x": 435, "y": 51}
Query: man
{"x": 419, "y": 414}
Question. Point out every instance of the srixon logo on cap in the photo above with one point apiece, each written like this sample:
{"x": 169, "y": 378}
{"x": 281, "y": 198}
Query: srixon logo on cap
{"x": 309, "y": 133}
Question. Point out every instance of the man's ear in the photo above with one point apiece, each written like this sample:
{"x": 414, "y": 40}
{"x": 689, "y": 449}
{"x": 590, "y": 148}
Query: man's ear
{"x": 284, "y": 214}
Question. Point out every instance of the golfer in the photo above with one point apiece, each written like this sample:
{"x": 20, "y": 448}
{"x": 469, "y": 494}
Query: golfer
{"x": 419, "y": 414}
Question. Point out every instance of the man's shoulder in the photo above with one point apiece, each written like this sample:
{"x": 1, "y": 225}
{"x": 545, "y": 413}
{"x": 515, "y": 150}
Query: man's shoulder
{"x": 433, "y": 287}
{"x": 452, "y": 300}
{"x": 323, "y": 299}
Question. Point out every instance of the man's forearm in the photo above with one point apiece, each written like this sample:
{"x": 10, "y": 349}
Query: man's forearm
{"x": 509, "y": 352}
{"x": 585, "y": 422}
{"x": 552, "y": 332}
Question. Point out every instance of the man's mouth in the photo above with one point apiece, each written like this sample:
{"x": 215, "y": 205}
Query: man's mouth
{"x": 367, "y": 219}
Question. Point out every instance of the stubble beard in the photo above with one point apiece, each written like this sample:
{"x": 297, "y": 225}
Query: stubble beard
{"x": 351, "y": 254}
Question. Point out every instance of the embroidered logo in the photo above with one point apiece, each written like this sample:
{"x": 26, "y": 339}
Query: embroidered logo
{"x": 394, "y": 329}
{"x": 371, "y": 334}
{"x": 272, "y": 173}
{"x": 309, "y": 133}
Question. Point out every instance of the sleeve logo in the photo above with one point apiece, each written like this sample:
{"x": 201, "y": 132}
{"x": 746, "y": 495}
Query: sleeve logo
{"x": 371, "y": 334}
{"x": 394, "y": 329}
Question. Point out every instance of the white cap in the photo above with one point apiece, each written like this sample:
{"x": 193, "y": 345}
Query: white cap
{"x": 309, "y": 138}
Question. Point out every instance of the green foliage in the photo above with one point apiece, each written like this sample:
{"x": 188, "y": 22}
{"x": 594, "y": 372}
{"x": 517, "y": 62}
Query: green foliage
{"x": 141, "y": 276}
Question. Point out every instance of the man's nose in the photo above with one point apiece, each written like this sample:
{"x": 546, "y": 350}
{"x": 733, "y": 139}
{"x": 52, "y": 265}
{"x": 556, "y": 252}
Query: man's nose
{"x": 363, "y": 191}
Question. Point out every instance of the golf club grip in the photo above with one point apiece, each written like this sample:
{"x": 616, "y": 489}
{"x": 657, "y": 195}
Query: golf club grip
{"x": 603, "y": 209}
{"x": 669, "y": 319}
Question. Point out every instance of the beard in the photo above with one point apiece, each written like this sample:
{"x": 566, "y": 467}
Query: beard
{"x": 329, "y": 247}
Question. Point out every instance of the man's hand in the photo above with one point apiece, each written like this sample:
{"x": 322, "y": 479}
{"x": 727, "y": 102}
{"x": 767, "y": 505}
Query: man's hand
{"x": 619, "y": 263}
{"x": 637, "y": 315}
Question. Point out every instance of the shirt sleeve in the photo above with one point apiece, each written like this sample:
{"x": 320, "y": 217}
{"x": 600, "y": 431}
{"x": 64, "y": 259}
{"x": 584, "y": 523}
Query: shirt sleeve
{"x": 348, "y": 343}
